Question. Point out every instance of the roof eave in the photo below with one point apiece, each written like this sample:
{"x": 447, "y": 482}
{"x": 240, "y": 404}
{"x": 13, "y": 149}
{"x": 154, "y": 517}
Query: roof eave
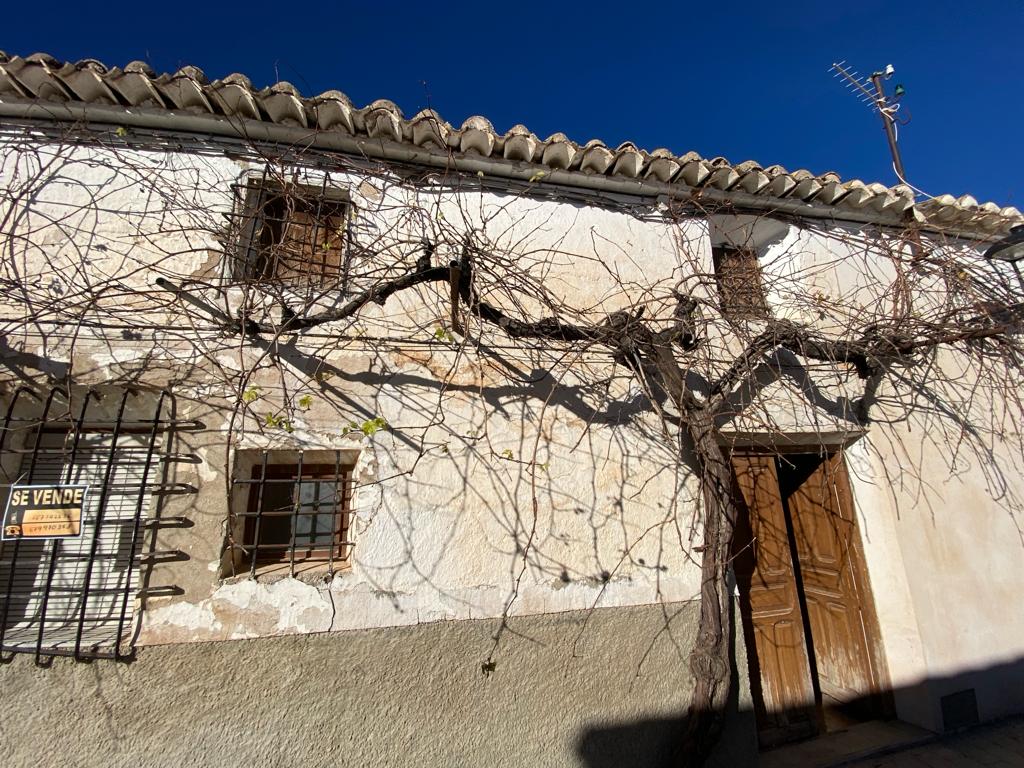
{"x": 260, "y": 131}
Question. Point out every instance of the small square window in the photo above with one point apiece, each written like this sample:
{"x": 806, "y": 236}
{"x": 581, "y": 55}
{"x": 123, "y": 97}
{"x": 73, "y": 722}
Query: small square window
{"x": 740, "y": 288}
{"x": 296, "y": 515}
{"x": 296, "y": 236}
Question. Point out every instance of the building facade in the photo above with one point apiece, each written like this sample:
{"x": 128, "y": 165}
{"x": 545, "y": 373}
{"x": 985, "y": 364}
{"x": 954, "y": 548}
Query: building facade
{"x": 283, "y": 483}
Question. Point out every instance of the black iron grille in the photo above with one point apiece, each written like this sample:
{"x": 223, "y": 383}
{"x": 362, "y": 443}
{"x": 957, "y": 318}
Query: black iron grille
{"x": 75, "y": 596}
{"x": 290, "y": 514}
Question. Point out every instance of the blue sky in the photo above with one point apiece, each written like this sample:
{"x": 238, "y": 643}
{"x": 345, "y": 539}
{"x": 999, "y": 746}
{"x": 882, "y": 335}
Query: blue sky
{"x": 743, "y": 80}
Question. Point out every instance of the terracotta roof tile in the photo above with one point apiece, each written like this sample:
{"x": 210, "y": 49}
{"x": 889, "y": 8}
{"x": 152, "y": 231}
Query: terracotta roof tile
{"x": 42, "y": 78}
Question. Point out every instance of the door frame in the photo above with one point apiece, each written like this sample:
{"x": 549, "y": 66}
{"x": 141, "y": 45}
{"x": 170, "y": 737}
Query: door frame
{"x": 752, "y": 444}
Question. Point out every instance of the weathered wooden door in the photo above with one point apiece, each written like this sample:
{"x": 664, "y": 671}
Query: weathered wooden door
{"x": 770, "y": 607}
{"x": 803, "y": 596}
{"x": 834, "y": 586}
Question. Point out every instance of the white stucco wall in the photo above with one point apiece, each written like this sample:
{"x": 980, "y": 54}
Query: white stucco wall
{"x": 944, "y": 556}
{"x": 519, "y": 451}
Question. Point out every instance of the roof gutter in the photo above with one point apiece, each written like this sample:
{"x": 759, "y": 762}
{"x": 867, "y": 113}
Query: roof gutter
{"x": 258, "y": 131}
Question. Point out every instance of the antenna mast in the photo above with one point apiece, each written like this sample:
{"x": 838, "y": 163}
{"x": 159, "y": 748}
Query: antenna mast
{"x": 861, "y": 87}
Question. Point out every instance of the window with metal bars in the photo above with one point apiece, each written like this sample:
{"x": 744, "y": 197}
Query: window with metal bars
{"x": 740, "y": 287}
{"x": 291, "y": 514}
{"x": 293, "y": 235}
{"x": 76, "y": 595}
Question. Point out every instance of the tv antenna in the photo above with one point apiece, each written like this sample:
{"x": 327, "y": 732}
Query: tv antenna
{"x": 870, "y": 90}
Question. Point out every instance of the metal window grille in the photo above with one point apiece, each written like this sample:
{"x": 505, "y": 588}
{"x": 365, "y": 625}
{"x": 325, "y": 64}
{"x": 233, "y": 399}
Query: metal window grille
{"x": 75, "y": 596}
{"x": 292, "y": 515}
{"x": 740, "y": 288}
{"x": 294, "y": 235}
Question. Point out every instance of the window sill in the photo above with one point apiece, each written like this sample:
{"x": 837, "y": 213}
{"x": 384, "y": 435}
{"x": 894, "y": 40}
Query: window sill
{"x": 316, "y": 572}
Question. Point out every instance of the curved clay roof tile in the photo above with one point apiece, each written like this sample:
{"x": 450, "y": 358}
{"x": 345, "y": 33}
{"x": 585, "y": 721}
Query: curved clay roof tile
{"x": 753, "y": 180}
{"x": 43, "y": 58}
{"x": 594, "y": 157}
{"x": 238, "y": 79}
{"x": 427, "y": 128}
{"x": 748, "y": 165}
{"x": 332, "y": 110}
{"x": 662, "y": 165}
{"x": 858, "y": 194}
{"x": 884, "y": 202}
{"x": 233, "y": 99}
{"x": 938, "y": 202}
{"x": 183, "y": 92}
{"x": 387, "y": 105}
{"x": 832, "y": 190}
{"x": 723, "y": 177}
{"x": 781, "y": 183}
{"x": 695, "y": 172}
{"x": 140, "y": 68}
{"x": 558, "y": 152}
{"x": 807, "y": 187}
{"x": 193, "y": 73}
{"x": 477, "y": 136}
{"x": 96, "y": 66}
{"x": 477, "y": 123}
{"x": 520, "y": 144}
{"x": 283, "y": 103}
{"x": 36, "y": 77}
{"x": 89, "y": 85}
{"x": 10, "y": 87}
{"x": 282, "y": 86}
{"x": 942, "y": 209}
{"x": 135, "y": 88}
{"x": 629, "y": 161}
{"x": 383, "y": 120}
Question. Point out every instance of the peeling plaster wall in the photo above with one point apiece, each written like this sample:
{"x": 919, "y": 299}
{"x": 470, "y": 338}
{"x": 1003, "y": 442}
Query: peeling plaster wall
{"x": 518, "y": 457}
{"x": 444, "y": 542}
{"x": 441, "y": 544}
{"x": 593, "y": 690}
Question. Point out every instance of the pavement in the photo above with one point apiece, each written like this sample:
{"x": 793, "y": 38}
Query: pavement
{"x": 995, "y": 745}
{"x": 892, "y": 744}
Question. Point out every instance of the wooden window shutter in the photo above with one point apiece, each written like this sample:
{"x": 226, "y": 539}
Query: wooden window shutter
{"x": 740, "y": 288}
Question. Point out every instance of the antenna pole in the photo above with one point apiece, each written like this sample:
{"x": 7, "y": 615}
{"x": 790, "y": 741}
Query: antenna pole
{"x": 887, "y": 123}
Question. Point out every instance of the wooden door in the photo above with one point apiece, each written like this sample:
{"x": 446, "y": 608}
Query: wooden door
{"x": 773, "y": 623}
{"x": 832, "y": 576}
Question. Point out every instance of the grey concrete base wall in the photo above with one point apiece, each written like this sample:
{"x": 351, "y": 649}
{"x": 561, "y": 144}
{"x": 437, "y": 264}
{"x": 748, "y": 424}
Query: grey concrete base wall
{"x": 594, "y": 689}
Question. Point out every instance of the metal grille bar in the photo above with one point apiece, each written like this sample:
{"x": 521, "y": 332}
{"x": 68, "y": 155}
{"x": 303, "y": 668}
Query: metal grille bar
{"x": 277, "y": 233}
{"x": 291, "y": 514}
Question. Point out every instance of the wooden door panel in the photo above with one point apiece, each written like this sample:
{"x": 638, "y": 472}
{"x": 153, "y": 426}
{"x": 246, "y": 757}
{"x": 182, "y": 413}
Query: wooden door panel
{"x": 824, "y": 533}
{"x": 784, "y": 691}
{"x": 841, "y": 674}
{"x": 781, "y": 649}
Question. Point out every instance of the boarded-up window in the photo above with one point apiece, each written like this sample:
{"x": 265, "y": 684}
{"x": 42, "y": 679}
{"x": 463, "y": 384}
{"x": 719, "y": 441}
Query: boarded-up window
{"x": 740, "y": 288}
{"x": 296, "y": 515}
{"x": 76, "y": 595}
{"x": 295, "y": 235}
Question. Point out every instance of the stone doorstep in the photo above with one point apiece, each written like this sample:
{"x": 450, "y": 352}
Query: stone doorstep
{"x": 850, "y": 745}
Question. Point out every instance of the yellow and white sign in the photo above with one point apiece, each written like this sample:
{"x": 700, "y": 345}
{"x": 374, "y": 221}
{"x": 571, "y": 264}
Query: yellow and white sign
{"x": 44, "y": 512}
